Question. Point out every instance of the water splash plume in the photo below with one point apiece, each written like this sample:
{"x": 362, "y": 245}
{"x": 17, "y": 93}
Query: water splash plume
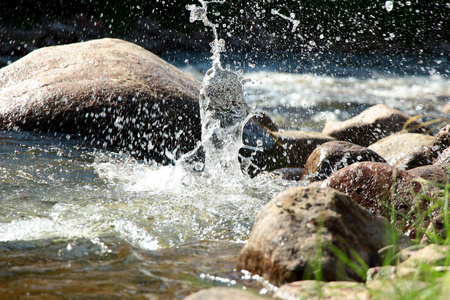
{"x": 222, "y": 105}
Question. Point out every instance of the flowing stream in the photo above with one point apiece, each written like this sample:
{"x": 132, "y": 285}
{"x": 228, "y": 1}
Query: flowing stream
{"x": 79, "y": 222}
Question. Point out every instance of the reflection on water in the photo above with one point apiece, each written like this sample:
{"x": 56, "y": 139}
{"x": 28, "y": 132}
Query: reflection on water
{"x": 112, "y": 269}
{"x": 76, "y": 221}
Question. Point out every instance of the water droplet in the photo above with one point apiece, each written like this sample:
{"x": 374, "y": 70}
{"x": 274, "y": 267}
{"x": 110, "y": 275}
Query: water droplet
{"x": 389, "y": 6}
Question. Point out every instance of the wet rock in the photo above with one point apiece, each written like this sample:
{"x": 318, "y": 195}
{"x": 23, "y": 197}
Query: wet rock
{"x": 332, "y": 156}
{"x": 434, "y": 173}
{"x": 112, "y": 92}
{"x": 312, "y": 289}
{"x": 302, "y": 225}
{"x": 221, "y": 293}
{"x": 429, "y": 154}
{"x": 380, "y": 187}
{"x": 287, "y": 149}
{"x": 371, "y": 125}
{"x": 396, "y": 146}
{"x": 291, "y": 174}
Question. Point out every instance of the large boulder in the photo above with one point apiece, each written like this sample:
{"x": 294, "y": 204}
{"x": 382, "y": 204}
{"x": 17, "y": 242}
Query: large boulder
{"x": 301, "y": 232}
{"x": 332, "y": 156}
{"x": 371, "y": 125}
{"x": 110, "y": 91}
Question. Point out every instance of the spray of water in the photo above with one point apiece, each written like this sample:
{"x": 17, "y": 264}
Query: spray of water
{"x": 222, "y": 106}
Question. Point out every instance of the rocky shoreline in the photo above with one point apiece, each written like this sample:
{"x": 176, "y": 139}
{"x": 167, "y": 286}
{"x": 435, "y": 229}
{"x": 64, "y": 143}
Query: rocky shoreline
{"x": 378, "y": 166}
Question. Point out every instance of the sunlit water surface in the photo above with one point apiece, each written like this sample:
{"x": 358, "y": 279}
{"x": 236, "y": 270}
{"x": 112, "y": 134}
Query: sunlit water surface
{"x": 77, "y": 221}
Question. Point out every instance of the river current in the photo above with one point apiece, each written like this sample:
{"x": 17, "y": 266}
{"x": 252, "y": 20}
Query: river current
{"x": 76, "y": 221}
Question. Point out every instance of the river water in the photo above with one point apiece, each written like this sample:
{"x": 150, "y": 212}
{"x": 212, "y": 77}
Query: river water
{"x": 79, "y": 222}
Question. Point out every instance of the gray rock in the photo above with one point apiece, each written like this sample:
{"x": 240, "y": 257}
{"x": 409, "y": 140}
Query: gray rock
{"x": 114, "y": 93}
{"x": 291, "y": 238}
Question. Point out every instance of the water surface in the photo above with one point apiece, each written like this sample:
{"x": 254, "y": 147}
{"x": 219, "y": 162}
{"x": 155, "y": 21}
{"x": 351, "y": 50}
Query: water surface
{"x": 79, "y": 222}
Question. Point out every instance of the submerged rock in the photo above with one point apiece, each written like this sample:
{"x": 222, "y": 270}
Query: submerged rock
{"x": 396, "y": 146}
{"x": 298, "y": 234}
{"x": 371, "y": 125}
{"x": 332, "y": 156}
{"x": 114, "y": 93}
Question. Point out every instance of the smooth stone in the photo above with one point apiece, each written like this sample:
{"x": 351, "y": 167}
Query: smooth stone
{"x": 312, "y": 289}
{"x": 396, "y": 146}
{"x": 293, "y": 226}
{"x": 332, "y": 156}
{"x": 378, "y": 187}
{"x": 369, "y": 126}
{"x": 223, "y": 293}
{"x": 428, "y": 154}
{"x": 114, "y": 93}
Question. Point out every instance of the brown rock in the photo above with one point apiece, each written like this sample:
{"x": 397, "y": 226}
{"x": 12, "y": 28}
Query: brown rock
{"x": 288, "y": 149}
{"x": 221, "y": 293}
{"x": 110, "y": 91}
{"x": 396, "y": 146}
{"x": 312, "y": 289}
{"x": 332, "y": 156}
{"x": 427, "y": 155}
{"x": 434, "y": 173}
{"x": 291, "y": 229}
{"x": 378, "y": 187}
{"x": 371, "y": 125}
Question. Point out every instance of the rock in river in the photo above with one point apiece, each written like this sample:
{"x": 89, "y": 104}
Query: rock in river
{"x": 332, "y": 156}
{"x": 298, "y": 234}
{"x": 112, "y": 92}
{"x": 371, "y": 125}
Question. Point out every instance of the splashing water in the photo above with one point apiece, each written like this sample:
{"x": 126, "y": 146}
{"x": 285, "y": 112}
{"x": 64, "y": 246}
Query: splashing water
{"x": 291, "y": 19}
{"x": 222, "y": 106}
